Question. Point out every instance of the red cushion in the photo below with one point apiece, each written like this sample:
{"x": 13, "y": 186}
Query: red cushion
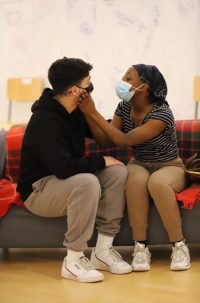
{"x": 8, "y": 196}
{"x": 14, "y": 139}
{"x": 190, "y": 196}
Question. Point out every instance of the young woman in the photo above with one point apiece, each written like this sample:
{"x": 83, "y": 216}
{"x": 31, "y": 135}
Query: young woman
{"x": 144, "y": 121}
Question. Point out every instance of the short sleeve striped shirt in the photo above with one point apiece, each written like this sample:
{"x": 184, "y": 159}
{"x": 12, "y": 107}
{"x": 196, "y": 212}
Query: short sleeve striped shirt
{"x": 160, "y": 148}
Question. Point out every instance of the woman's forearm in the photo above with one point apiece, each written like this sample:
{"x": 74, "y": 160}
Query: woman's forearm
{"x": 101, "y": 138}
{"x": 116, "y": 135}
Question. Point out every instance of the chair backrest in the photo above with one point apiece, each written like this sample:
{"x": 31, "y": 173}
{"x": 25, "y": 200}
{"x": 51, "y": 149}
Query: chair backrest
{"x": 24, "y": 89}
{"x": 196, "y": 89}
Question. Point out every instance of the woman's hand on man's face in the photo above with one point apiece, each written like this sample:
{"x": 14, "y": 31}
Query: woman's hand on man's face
{"x": 86, "y": 103}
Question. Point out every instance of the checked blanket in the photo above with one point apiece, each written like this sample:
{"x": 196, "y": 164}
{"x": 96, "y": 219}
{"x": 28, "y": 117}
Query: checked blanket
{"x": 188, "y": 138}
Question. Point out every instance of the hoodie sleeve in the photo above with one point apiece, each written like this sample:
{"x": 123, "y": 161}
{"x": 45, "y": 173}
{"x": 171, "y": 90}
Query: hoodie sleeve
{"x": 88, "y": 132}
{"x": 53, "y": 150}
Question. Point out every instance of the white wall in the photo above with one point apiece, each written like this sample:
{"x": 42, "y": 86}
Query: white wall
{"x": 110, "y": 34}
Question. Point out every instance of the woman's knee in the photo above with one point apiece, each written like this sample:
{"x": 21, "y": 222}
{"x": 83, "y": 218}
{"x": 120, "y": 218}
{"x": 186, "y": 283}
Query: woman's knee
{"x": 137, "y": 178}
{"x": 156, "y": 183}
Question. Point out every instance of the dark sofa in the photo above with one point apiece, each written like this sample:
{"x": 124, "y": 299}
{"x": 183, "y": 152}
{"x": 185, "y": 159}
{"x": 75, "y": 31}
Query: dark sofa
{"x": 21, "y": 229}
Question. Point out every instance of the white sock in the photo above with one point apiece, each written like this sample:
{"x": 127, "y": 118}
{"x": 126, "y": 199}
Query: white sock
{"x": 73, "y": 255}
{"x": 103, "y": 242}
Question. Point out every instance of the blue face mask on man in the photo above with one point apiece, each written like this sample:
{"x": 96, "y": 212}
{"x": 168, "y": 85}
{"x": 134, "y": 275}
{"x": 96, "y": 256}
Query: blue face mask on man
{"x": 123, "y": 90}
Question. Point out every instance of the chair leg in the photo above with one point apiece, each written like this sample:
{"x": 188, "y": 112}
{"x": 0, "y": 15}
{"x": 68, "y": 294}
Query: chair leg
{"x": 9, "y": 110}
{"x": 196, "y": 109}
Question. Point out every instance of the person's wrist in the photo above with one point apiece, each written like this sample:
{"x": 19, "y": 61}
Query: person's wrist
{"x": 94, "y": 114}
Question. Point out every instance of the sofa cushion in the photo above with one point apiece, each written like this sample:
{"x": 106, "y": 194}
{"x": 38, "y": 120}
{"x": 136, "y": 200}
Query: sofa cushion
{"x": 188, "y": 138}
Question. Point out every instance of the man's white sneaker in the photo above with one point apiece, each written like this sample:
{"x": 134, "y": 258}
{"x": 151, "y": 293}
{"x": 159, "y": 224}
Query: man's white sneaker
{"x": 81, "y": 270}
{"x": 109, "y": 259}
{"x": 180, "y": 257}
{"x": 141, "y": 257}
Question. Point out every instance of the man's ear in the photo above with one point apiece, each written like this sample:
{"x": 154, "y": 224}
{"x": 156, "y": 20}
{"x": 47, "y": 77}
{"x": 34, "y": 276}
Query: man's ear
{"x": 75, "y": 90}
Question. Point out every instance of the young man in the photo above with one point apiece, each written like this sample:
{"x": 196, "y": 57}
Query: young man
{"x": 58, "y": 180}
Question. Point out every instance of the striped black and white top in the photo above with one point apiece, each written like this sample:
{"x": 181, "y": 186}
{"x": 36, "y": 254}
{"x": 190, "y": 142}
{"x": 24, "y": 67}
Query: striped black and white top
{"x": 162, "y": 147}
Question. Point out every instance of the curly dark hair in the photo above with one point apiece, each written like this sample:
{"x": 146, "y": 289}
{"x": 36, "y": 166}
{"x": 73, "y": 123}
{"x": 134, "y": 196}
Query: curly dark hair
{"x": 66, "y": 72}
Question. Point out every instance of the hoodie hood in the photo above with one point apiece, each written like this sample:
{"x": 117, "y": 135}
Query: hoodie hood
{"x": 48, "y": 102}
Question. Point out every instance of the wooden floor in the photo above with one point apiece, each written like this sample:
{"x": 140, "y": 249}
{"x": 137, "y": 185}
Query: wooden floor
{"x": 33, "y": 276}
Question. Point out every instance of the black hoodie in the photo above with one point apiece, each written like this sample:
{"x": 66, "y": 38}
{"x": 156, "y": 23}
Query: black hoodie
{"x": 54, "y": 144}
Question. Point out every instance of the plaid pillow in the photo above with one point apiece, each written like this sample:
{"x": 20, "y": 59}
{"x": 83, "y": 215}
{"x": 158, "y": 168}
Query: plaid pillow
{"x": 188, "y": 137}
{"x": 14, "y": 139}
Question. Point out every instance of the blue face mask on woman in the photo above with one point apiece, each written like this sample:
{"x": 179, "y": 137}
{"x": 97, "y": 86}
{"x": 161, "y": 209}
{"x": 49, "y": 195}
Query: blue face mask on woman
{"x": 122, "y": 90}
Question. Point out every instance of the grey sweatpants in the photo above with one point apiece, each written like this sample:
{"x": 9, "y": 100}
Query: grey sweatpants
{"x": 160, "y": 180}
{"x": 84, "y": 199}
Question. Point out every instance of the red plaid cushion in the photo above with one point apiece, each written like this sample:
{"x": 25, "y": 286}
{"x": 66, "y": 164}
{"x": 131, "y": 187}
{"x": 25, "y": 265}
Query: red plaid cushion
{"x": 14, "y": 139}
{"x": 188, "y": 137}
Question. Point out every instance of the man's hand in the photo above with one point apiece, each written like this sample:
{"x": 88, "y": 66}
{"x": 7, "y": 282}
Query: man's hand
{"x": 86, "y": 103}
{"x": 112, "y": 161}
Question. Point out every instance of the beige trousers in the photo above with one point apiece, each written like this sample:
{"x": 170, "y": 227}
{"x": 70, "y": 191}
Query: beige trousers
{"x": 83, "y": 199}
{"x": 160, "y": 181}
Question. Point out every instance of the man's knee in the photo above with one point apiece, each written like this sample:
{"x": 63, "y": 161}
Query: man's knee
{"x": 118, "y": 173}
{"x": 91, "y": 185}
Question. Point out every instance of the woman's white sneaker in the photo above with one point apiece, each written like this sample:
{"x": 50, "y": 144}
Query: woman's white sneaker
{"x": 141, "y": 257}
{"x": 109, "y": 259}
{"x": 80, "y": 270}
{"x": 180, "y": 257}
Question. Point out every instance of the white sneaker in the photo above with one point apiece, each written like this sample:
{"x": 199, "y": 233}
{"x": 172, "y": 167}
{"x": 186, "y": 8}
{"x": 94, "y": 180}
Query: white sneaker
{"x": 141, "y": 257}
{"x": 109, "y": 259}
{"x": 180, "y": 257}
{"x": 81, "y": 271}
